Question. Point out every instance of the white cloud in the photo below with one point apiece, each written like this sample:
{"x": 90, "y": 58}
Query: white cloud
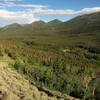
{"x": 65, "y": 12}
{"x": 3, "y": 5}
{"x": 7, "y": 17}
{"x": 11, "y": 4}
{"x": 27, "y": 16}
{"x": 53, "y": 12}
{"x": 9, "y": 0}
{"x": 35, "y": 6}
{"x": 88, "y": 10}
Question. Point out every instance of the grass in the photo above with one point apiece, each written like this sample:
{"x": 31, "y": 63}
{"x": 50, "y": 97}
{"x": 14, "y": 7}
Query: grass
{"x": 14, "y": 86}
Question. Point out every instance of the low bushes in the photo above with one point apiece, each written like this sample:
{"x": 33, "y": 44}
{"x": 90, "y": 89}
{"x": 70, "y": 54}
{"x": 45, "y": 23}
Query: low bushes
{"x": 19, "y": 66}
{"x": 10, "y": 53}
{"x": 1, "y": 53}
{"x": 61, "y": 71}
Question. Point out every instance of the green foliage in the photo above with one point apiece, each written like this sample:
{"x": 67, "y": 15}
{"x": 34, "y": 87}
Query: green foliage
{"x": 1, "y": 52}
{"x": 78, "y": 90}
{"x": 19, "y": 66}
{"x": 55, "y": 57}
{"x": 10, "y": 53}
{"x": 57, "y": 70}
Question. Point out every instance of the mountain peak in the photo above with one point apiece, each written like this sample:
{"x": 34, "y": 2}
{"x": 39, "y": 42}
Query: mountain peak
{"x": 55, "y": 21}
{"x": 13, "y": 25}
{"x": 38, "y": 22}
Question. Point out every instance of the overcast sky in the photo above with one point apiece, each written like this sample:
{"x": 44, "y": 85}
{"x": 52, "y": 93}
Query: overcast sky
{"x": 28, "y": 11}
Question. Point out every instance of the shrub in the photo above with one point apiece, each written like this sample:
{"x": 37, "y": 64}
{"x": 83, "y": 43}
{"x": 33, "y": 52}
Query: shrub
{"x": 29, "y": 71}
{"x": 1, "y": 53}
{"x": 19, "y": 66}
{"x": 78, "y": 90}
{"x": 10, "y": 53}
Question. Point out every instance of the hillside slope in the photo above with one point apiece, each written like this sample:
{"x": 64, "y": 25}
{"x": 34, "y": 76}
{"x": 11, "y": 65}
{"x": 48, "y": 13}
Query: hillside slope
{"x": 83, "y": 23}
{"x": 13, "y": 86}
{"x": 80, "y": 24}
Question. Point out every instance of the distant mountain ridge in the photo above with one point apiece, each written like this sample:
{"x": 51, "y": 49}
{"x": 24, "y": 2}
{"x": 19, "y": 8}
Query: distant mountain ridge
{"x": 80, "y": 24}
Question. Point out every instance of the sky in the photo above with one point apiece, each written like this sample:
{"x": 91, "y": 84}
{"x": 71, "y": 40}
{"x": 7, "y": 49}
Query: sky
{"x": 28, "y": 11}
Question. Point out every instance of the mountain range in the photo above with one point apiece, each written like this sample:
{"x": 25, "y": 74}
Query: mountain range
{"x": 80, "y": 24}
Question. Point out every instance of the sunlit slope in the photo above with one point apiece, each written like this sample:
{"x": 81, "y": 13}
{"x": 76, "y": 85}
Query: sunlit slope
{"x": 13, "y": 86}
